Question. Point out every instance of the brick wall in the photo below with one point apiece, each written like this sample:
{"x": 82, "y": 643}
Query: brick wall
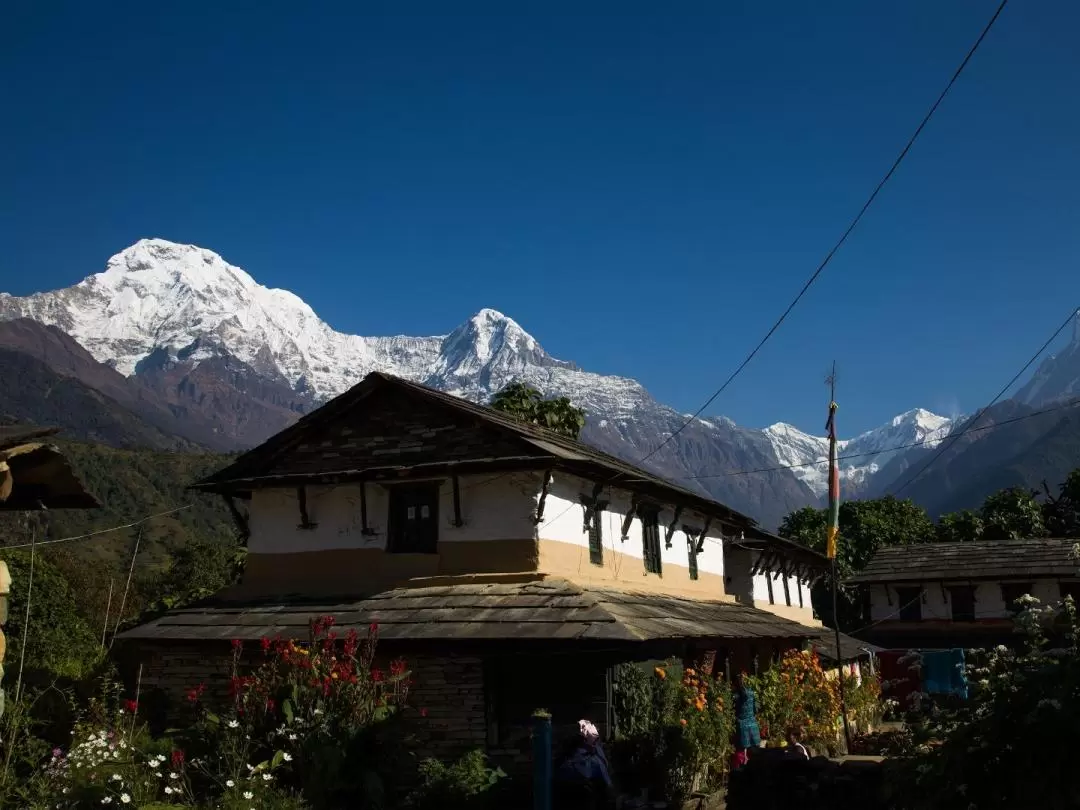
{"x": 451, "y": 691}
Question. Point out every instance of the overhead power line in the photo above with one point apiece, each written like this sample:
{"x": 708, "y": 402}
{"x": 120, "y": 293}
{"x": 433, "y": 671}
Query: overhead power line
{"x": 971, "y": 423}
{"x": 100, "y": 531}
{"x": 843, "y": 238}
{"x": 869, "y": 453}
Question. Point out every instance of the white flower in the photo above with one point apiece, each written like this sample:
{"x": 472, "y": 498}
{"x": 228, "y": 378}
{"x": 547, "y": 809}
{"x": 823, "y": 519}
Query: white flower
{"x": 116, "y": 777}
{"x": 230, "y": 783}
{"x": 168, "y": 790}
{"x": 287, "y": 757}
{"x": 174, "y": 776}
{"x": 125, "y": 798}
{"x": 267, "y": 777}
{"x": 233, "y": 724}
{"x": 107, "y": 800}
{"x": 249, "y": 795}
{"x": 292, "y": 736}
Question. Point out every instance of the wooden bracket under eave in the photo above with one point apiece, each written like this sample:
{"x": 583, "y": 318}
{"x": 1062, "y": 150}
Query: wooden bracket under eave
{"x": 458, "y": 522}
{"x": 704, "y": 531}
{"x": 592, "y": 504}
{"x": 238, "y": 518}
{"x": 672, "y": 526}
{"x": 365, "y": 530}
{"x": 629, "y": 519}
{"x": 539, "y": 517}
{"x": 305, "y": 520}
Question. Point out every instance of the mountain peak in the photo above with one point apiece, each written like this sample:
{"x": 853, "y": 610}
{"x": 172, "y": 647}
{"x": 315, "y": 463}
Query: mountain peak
{"x": 158, "y": 263}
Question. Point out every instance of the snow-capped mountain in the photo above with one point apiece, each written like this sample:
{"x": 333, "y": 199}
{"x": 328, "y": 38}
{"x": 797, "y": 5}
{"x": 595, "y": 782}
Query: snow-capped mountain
{"x": 199, "y": 330}
{"x": 861, "y": 457}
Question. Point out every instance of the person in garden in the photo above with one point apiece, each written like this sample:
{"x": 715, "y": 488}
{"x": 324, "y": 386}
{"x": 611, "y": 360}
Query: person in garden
{"x": 795, "y": 744}
{"x": 747, "y": 734}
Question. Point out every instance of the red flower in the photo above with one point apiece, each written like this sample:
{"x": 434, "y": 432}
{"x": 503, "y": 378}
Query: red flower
{"x": 397, "y": 666}
{"x": 329, "y": 621}
{"x": 270, "y": 705}
{"x": 376, "y": 675}
{"x": 265, "y": 643}
{"x": 131, "y": 706}
{"x": 194, "y": 694}
{"x": 423, "y": 712}
{"x": 373, "y": 628}
{"x": 177, "y": 758}
{"x": 237, "y": 645}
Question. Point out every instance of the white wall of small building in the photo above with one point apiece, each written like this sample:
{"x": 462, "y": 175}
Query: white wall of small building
{"x": 492, "y": 508}
{"x": 564, "y": 522}
{"x": 936, "y": 605}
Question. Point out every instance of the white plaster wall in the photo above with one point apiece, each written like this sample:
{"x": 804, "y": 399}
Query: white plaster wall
{"x": 789, "y": 599}
{"x": 564, "y": 518}
{"x": 492, "y": 508}
{"x": 937, "y": 606}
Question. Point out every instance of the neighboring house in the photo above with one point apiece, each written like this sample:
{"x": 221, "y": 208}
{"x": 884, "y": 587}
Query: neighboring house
{"x": 946, "y": 595}
{"x": 513, "y": 567}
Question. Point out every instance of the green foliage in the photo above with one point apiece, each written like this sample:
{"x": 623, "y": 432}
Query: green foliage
{"x": 1062, "y": 513}
{"x": 461, "y": 785}
{"x": 673, "y": 733}
{"x": 865, "y": 527}
{"x": 957, "y": 527}
{"x": 59, "y": 642}
{"x": 527, "y": 404}
{"x": 1011, "y": 745}
{"x": 1012, "y": 514}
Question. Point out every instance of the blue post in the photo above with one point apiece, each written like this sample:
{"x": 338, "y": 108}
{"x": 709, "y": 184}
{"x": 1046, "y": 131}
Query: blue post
{"x": 542, "y": 765}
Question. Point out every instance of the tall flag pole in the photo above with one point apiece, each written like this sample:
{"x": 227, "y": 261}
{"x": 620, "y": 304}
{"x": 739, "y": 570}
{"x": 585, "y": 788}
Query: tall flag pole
{"x": 832, "y": 536}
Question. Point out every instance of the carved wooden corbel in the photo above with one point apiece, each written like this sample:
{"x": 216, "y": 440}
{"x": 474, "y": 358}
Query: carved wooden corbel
{"x": 458, "y": 522}
{"x": 592, "y": 505}
{"x": 539, "y": 517}
{"x": 704, "y": 531}
{"x": 629, "y": 519}
{"x": 670, "y": 533}
{"x": 305, "y": 521}
{"x": 365, "y": 530}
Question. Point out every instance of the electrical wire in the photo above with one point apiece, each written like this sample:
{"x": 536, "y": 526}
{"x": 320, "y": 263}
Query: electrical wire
{"x": 971, "y": 423}
{"x": 843, "y": 238}
{"x": 100, "y": 531}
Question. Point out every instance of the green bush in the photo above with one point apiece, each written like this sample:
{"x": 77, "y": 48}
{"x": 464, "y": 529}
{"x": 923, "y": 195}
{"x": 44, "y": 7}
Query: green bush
{"x": 462, "y": 785}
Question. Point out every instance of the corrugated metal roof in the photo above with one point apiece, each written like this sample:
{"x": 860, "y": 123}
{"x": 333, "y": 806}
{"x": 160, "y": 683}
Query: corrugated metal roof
{"x": 985, "y": 559}
{"x": 548, "y": 609}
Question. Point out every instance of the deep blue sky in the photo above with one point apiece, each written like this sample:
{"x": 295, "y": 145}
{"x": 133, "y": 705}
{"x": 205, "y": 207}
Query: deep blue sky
{"x": 643, "y": 186}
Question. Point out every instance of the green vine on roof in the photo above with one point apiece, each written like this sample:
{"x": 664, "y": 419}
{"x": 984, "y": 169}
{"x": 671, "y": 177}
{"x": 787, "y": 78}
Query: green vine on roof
{"x": 528, "y": 405}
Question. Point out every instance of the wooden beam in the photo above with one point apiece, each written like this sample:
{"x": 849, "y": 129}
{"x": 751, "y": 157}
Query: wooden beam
{"x": 365, "y": 530}
{"x": 238, "y": 518}
{"x": 670, "y": 533}
{"x": 305, "y": 521}
{"x": 543, "y": 498}
{"x": 458, "y": 522}
{"x": 629, "y": 519}
{"x": 704, "y": 531}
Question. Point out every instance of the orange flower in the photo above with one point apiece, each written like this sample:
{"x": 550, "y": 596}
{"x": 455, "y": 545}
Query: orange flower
{"x": 660, "y": 673}
{"x": 682, "y": 722}
{"x": 700, "y": 704}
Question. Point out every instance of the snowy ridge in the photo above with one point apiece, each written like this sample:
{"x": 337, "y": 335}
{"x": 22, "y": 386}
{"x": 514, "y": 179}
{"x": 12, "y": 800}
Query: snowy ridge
{"x": 809, "y": 455}
{"x": 161, "y": 300}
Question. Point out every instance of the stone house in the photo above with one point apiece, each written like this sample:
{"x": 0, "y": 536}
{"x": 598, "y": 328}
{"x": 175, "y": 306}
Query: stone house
{"x": 512, "y": 567}
{"x": 961, "y": 595}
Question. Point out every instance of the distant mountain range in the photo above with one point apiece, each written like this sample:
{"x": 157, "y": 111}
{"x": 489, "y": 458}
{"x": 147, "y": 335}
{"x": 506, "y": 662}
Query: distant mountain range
{"x": 171, "y": 347}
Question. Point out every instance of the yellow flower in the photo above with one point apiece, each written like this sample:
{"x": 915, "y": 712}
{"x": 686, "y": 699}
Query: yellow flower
{"x": 700, "y": 705}
{"x": 660, "y": 673}
{"x": 690, "y": 672}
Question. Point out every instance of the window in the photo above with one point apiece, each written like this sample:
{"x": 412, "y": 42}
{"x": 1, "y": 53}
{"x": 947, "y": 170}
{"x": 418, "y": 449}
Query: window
{"x": 910, "y": 604}
{"x": 596, "y": 536}
{"x": 1011, "y": 591}
{"x": 414, "y": 519}
{"x": 650, "y": 534}
{"x": 962, "y": 600}
{"x": 1070, "y": 589}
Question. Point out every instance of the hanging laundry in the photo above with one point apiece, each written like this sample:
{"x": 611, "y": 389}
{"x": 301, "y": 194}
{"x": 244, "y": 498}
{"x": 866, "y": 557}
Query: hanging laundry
{"x": 944, "y": 672}
{"x": 898, "y": 680}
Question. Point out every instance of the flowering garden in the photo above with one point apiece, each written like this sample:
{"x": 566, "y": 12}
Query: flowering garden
{"x": 674, "y": 728}
{"x": 314, "y": 724}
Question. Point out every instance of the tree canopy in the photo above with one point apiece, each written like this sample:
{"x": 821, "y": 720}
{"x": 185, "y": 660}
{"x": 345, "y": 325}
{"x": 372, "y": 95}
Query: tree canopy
{"x": 527, "y": 404}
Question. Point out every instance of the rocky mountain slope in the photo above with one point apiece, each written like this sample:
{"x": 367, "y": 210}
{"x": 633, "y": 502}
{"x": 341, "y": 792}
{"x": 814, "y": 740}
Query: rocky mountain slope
{"x": 235, "y": 361}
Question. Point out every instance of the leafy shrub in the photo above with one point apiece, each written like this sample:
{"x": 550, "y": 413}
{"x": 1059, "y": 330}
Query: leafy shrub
{"x": 797, "y": 694}
{"x": 461, "y": 785}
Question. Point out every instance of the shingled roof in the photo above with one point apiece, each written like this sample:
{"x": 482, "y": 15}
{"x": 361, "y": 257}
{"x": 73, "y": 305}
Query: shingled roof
{"x": 549, "y": 609}
{"x": 431, "y": 432}
{"x": 985, "y": 559}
